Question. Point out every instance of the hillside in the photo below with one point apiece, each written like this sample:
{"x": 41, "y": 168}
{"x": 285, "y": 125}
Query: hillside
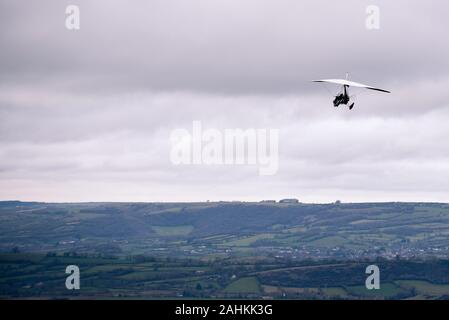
{"x": 222, "y": 229}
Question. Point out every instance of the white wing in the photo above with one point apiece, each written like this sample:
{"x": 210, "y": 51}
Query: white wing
{"x": 350, "y": 84}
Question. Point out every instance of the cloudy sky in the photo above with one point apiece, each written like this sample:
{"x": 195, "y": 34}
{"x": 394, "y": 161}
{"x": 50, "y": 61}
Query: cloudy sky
{"x": 87, "y": 115}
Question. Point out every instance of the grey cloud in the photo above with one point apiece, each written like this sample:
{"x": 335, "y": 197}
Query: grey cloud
{"x": 87, "y": 115}
{"x": 250, "y": 47}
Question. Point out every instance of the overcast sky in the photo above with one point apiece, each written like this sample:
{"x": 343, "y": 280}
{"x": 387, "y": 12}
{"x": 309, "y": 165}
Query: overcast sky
{"x": 86, "y": 115}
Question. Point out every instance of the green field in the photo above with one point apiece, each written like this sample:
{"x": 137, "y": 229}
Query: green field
{"x": 244, "y": 285}
{"x": 425, "y": 288}
{"x": 172, "y": 231}
{"x": 387, "y": 290}
{"x": 329, "y": 242}
{"x": 244, "y": 242}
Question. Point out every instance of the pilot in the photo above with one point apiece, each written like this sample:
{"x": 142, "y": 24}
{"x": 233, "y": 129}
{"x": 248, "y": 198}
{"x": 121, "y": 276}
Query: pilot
{"x": 338, "y": 99}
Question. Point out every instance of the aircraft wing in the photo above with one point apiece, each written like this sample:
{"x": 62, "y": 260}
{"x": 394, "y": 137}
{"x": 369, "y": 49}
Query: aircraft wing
{"x": 350, "y": 84}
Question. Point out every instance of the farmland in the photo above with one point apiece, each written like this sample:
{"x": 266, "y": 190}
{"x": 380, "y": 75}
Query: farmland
{"x": 210, "y": 230}
{"x": 43, "y": 276}
{"x": 224, "y": 250}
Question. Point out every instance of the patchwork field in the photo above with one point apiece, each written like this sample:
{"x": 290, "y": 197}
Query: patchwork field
{"x": 43, "y": 276}
{"x": 240, "y": 250}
